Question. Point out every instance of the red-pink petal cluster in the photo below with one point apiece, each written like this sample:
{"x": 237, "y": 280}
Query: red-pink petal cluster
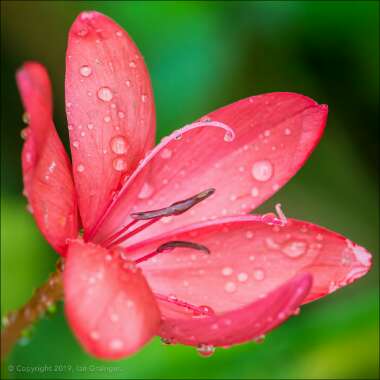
{"x": 241, "y": 275}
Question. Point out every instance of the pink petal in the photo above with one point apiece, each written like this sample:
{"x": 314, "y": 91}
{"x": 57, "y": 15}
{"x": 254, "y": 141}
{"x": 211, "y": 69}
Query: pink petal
{"x": 110, "y": 110}
{"x": 275, "y": 133}
{"x": 48, "y": 183}
{"x": 108, "y": 303}
{"x": 249, "y": 258}
{"x": 243, "y": 324}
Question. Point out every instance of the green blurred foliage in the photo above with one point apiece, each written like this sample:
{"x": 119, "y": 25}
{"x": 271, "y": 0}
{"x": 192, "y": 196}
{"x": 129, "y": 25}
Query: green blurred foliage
{"x": 202, "y": 55}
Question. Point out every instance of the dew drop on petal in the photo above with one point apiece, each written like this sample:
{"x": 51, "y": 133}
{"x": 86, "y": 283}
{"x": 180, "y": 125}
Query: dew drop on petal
{"x": 26, "y": 118}
{"x": 230, "y": 287}
{"x": 254, "y": 192}
{"x": 85, "y": 71}
{"x": 107, "y": 119}
{"x": 80, "y": 168}
{"x": 249, "y": 234}
{"x": 287, "y": 132}
{"x": 116, "y": 344}
{"x": 262, "y": 170}
{"x": 146, "y": 191}
{"x": 166, "y": 153}
{"x": 227, "y": 271}
{"x": 229, "y": 136}
{"x": 105, "y": 94}
{"x": 259, "y": 274}
{"x": 259, "y": 339}
{"x": 242, "y": 277}
{"x": 205, "y": 350}
{"x": 294, "y": 248}
{"x": 119, "y": 145}
{"x": 119, "y": 164}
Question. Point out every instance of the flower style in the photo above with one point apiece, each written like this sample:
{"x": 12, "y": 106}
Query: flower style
{"x": 169, "y": 247}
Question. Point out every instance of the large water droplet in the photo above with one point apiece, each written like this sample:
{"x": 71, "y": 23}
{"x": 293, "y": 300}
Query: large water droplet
{"x": 262, "y": 170}
{"x": 105, "y": 94}
{"x": 119, "y": 164}
{"x": 204, "y": 310}
{"x": 294, "y": 248}
{"x": 205, "y": 350}
{"x": 85, "y": 71}
{"x": 119, "y": 145}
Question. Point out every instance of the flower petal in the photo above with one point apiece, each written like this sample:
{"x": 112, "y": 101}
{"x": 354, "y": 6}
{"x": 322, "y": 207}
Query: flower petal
{"x": 249, "y": 258}
{"x": 275, "y": 133}
{"x": 48, "y": 183}
{"x": 110, "y": 109}
{"x": 243, "y": 324}
{"x": 108, "y": 303}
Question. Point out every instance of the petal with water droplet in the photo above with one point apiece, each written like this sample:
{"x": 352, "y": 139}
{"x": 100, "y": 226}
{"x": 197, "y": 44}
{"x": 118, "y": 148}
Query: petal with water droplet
{"x": 243, "y": 323}
{"x": 121, "y": 117}
{"x": 109, "y": 305}
{"x": 202, "y": 158}
{"x": 46, "y": 167}
{"x": 228, "y": 277}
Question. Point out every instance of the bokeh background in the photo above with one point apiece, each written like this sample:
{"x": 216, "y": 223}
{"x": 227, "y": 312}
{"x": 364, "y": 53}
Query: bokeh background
{"x": 202, "y": 55}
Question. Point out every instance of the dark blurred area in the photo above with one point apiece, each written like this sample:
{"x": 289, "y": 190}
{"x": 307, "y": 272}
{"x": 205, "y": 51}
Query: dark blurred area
{"x": 203, "y": 55}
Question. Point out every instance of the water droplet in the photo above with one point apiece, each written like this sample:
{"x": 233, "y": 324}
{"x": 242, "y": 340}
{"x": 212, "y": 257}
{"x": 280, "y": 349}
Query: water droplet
{"x": 166, "y": 153}
{"x": 107, "y": 119}
{"x": 229, "y": 136}
{"x": 242, "y": 277}
{"x": 267, "y": 133}
{"x": 119, "y": 164}
{"x": 121, "y": 114}
{"x": 24, "y": 133}
{"x": 259, "y": 339}
{"x": 82, "y": 32}
{"x": 114, "y": 317}
{"x": 259, "y": 274}
{"x": 204, "y": 310}
{"x": 287, "y": 132}
{"x": 230, "y": 287}
{"x": 25, "y": 118}
{"x": 116, "y": 344}
{"x": 80, "y": 168}
{"x": 132, "y": 64}
{"x": 105, "y": 94}
{"x": 205, "y": 350}
{"x": 85, "y": 71}
{"x": 119, "y": 145}
{"x": 254, "y": 192}
{"x": 146, "y": 191}
{"x": 227, "y": 271}
{"x": 262, "y": 170}
{"x": 294, "y": 248}
{"x": 166, "y": 341}
{"x": 128, "y": 83}
{"x": 94, "y": 335}
{"x": 144, "y": 98}
{"x": 249, "y": 234}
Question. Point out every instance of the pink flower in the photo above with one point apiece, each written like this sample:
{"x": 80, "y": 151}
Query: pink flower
{"x": 162, "y": 252}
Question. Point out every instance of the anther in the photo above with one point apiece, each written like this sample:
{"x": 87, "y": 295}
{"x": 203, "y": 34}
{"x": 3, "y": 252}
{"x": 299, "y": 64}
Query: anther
{"x": 170, "y": 245}
{"x": 176, "y": 208}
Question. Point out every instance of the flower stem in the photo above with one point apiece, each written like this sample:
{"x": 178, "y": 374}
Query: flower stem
{"x": 15, "y": 322}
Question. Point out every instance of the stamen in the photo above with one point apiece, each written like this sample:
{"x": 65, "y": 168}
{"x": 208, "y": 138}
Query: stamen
{"x": 199, "y": 310}
{"x": 176, "y": 208}
{"x": 281, "y": 214}
{"x": 118, "y": 233}
{"x": 133, "y": 232}
{"x": 170, "y": 245}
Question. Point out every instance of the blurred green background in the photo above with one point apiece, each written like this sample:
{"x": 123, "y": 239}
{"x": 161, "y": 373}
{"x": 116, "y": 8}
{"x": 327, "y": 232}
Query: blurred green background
{"x": 202, "y": 55}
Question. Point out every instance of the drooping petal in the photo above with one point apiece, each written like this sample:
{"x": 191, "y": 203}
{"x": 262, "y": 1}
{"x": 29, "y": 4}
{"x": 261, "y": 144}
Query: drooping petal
{"x": 48, "y": 183}
{"x": 110, "y": 109}
{"x": 249, "y": 258}
{"x": 108, "y": 303}
{"x": 243, "y": 324}
{"x": 275, "y": 133}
